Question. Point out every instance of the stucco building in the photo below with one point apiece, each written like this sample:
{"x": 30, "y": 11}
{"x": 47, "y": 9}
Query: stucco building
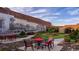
{"x": 63, "y": 28}
{"x": 11, "y": 20}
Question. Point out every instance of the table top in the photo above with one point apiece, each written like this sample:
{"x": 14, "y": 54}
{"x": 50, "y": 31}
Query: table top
{"x": 38, "y": 39}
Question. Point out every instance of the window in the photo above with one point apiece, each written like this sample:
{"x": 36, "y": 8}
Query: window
{"x": 12, "y": 19}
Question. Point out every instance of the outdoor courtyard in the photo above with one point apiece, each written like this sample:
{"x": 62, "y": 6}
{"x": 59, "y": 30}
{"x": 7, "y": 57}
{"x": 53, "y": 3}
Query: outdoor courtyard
{"x": 19, "y": 45}
{"x": 22, "y": 32}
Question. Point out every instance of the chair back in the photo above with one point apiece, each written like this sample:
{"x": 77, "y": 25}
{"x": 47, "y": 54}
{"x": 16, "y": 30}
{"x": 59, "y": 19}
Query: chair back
{"x": 28, "y": 43}
{"x": 49, "y": 42}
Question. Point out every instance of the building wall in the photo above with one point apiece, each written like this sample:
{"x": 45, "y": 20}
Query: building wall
{"x": 24, "y": 22}
{"x": 32, "y": 25}
{"x": 62, "y": 29}
{"x": 5, "y": 22}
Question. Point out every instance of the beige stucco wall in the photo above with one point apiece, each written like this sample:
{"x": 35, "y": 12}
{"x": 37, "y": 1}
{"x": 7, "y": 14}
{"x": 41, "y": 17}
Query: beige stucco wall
{"x": 7, "y": 17}
{"x": 6, "y": 21}
{"x": 24, "y": 22}
{"x": 61, "y": 29}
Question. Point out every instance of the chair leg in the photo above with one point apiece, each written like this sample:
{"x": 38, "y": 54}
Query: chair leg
{"x": 25, "y": 48}
{"x": 42, "y": 47}
{"x": 51, "y": 46}
{"x": 48, "y": 47}
{"x": 45, "y": 46}
{"x": 32, "y": 48}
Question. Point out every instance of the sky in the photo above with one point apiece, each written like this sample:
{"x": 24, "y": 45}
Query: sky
{"x": 58, "y": 16}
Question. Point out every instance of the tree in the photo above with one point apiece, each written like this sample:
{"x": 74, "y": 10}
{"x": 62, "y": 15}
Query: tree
{"x": 53, "y": 30}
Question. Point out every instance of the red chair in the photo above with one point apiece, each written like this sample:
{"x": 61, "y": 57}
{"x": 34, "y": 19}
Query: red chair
{"x": 38, "y": 42}
{"x": 9, "y": 37}
{"x": 49, "y": 44}
{"x": 28, "y": 43}
{"x": 14, "y": 36}
{"x": 2, "y": 38}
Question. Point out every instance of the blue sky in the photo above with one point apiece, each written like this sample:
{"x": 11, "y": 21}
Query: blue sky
{"x": 58, "y": 16}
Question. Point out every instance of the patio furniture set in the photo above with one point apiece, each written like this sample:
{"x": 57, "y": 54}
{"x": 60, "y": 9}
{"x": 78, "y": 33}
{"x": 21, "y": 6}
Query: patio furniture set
{"x": 39, "y": 43}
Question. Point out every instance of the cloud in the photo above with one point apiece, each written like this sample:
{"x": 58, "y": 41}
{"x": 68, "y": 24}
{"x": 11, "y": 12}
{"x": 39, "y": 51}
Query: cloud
{"x": 39, "y": 11}
{"x": 71, "y": 21}
{"x": 56, "y": 13}
{"x": 47, "y": 15}
{"x": 63, "y": 17}
{"x": 74, "y": 12}
{"x": 24, "y": 10}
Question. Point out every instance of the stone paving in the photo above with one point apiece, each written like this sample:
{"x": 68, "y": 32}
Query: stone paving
{"x": 19, "y": 45}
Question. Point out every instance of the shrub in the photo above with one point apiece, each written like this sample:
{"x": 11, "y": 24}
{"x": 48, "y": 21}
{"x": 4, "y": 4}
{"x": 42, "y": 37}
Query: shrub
{"x": 53, "y": 30}
{"x": 30, "y": 33}
{"x": 73, "y": 36}
{"x": 67, "y": 38}
{"x": 22, "y": 34}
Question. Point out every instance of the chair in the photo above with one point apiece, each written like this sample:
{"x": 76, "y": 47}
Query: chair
{"x": 28, "y": 43}
{"x": 2, "y": 38}
{"x": 49, "y": 44}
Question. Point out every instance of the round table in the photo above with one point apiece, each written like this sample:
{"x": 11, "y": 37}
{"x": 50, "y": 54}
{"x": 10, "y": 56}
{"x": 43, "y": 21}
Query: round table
{"x": 38, "y": 41}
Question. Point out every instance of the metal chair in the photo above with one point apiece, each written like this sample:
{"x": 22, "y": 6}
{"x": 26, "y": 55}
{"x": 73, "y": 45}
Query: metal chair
{"x": 28, "y": 43}
{"x": 49, "y": 44}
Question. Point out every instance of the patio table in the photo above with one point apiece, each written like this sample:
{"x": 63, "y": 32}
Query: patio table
{"x": 38, "y": 41}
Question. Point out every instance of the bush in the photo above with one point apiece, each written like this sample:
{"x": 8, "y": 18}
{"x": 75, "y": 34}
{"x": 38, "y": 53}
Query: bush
{"x": 67, "y": 38}
{"x": 30, "y": 33}
{"x": 73, "y": 36}
{"x": 50, "y": 30}
{"x": 53, "y": 30}
{"x": 22, "y": 34}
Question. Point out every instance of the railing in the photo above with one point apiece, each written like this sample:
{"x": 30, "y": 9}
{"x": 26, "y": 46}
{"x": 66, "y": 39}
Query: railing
{"x": 17, "y": 39}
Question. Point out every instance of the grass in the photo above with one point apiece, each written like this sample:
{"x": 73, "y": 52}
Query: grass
{"x": 59, "y": 36}
{"x": 55, "y": 36}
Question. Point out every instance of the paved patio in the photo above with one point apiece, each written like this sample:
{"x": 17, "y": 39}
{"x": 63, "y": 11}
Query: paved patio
{"x": 55, "y": 48}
